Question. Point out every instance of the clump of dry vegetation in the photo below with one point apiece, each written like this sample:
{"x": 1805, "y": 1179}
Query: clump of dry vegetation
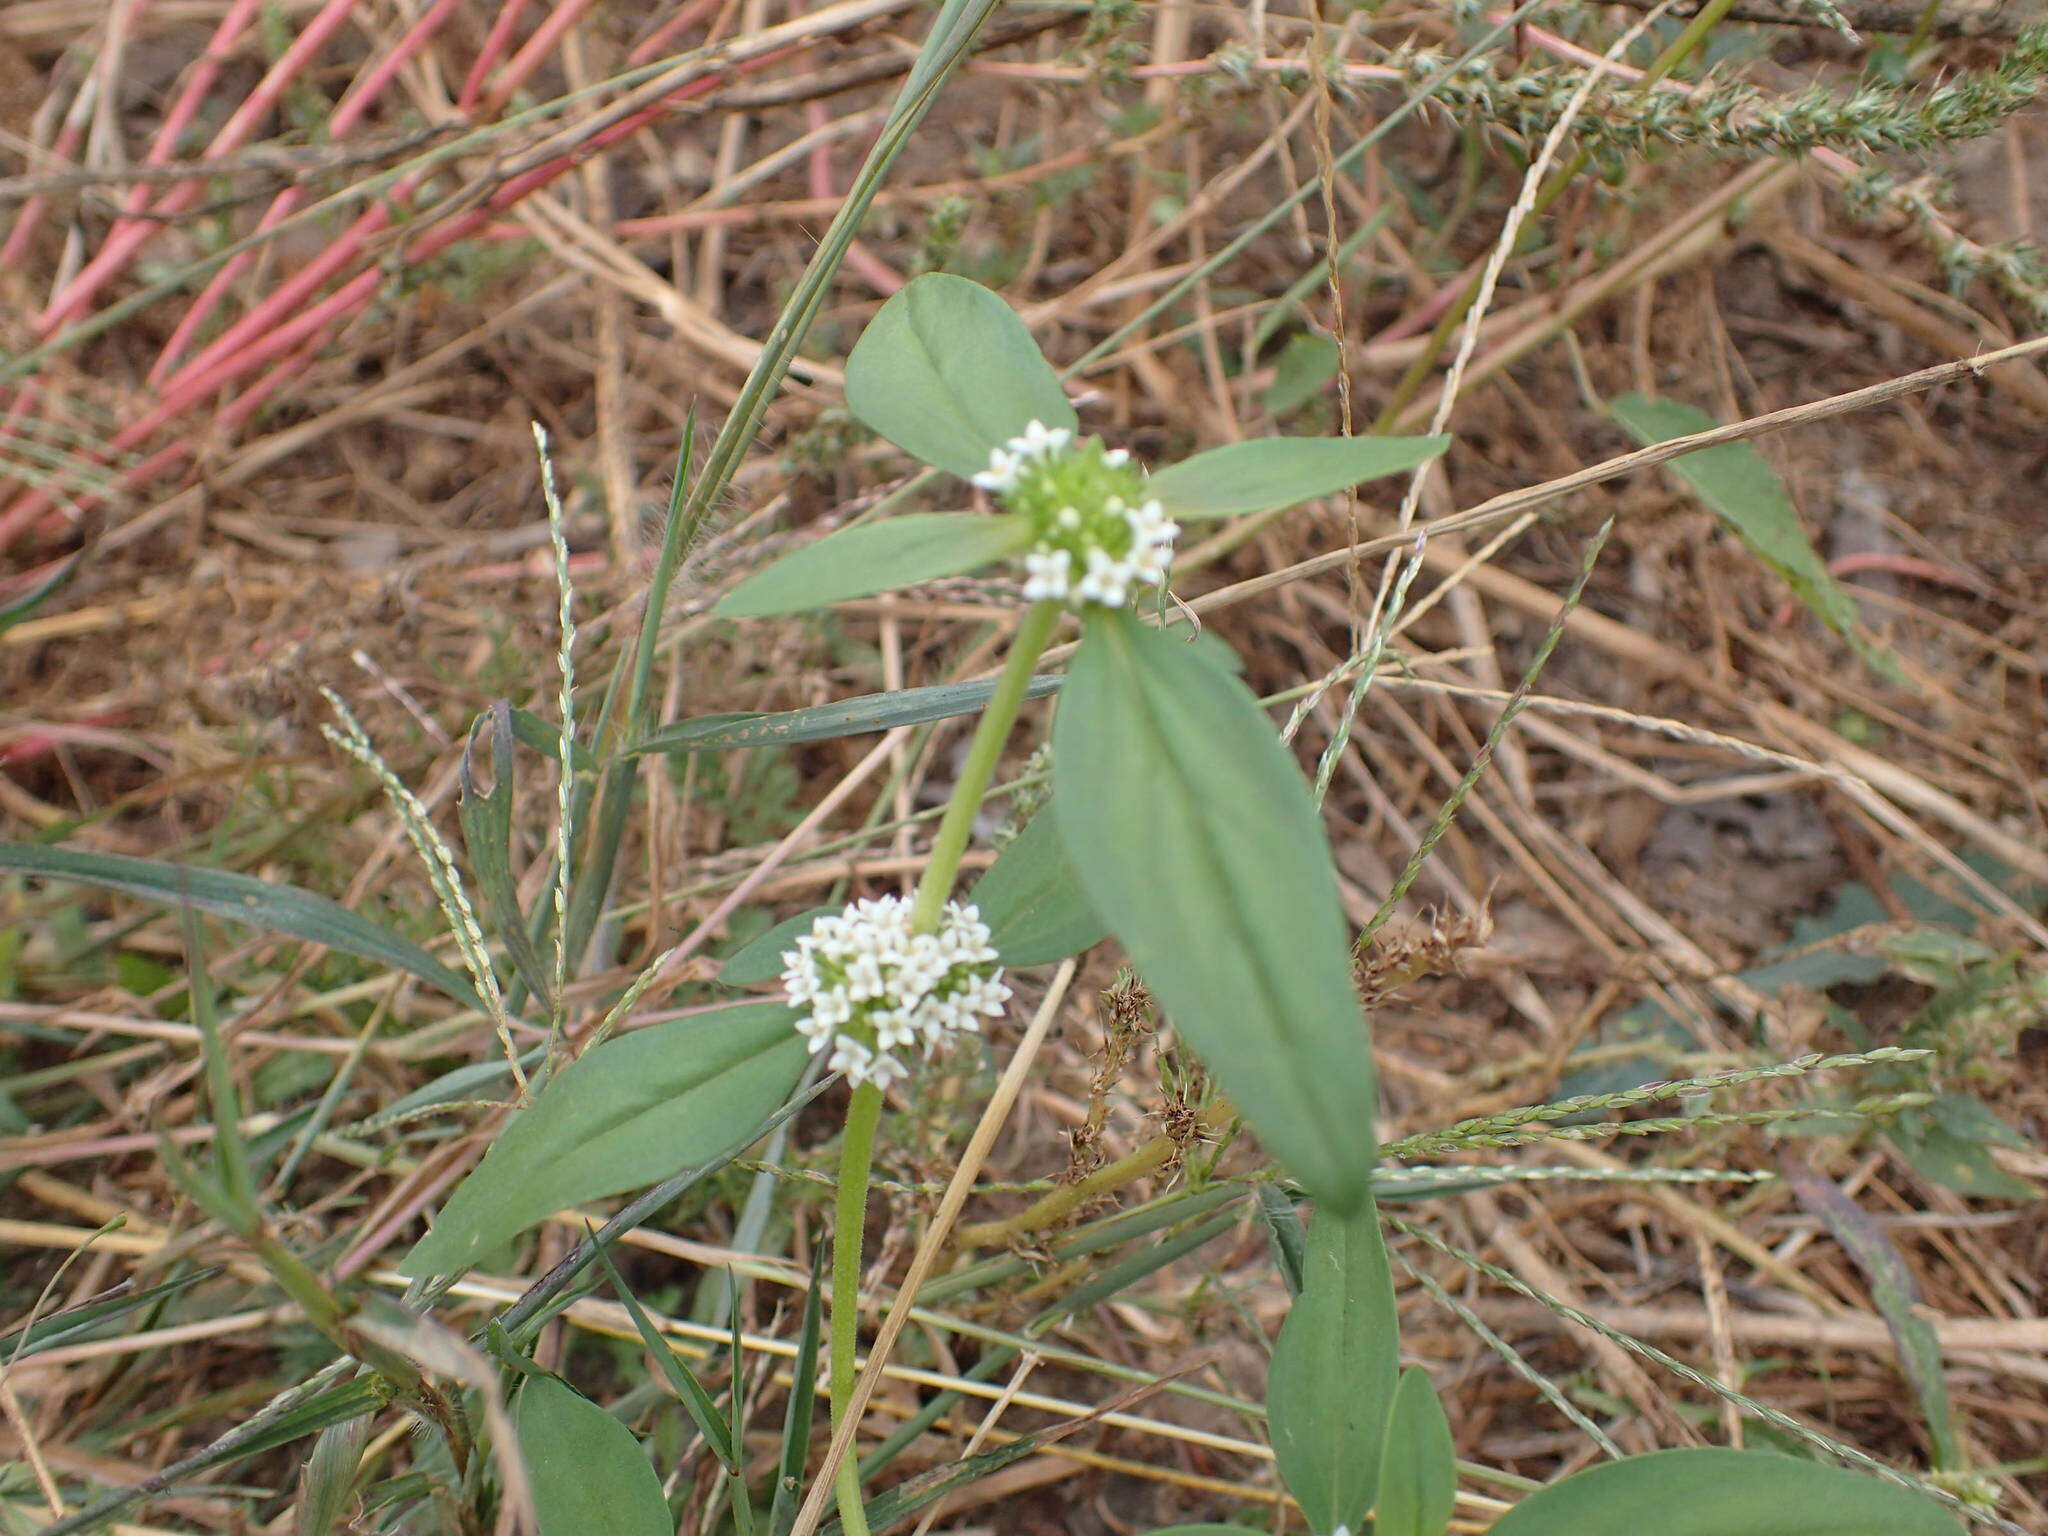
{"x": 1691, "y": 807}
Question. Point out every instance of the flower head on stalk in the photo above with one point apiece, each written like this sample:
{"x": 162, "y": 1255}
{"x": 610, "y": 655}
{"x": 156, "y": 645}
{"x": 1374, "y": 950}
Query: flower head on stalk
{"x": 867, "y": 986}
{"x": 1095, "y": 532}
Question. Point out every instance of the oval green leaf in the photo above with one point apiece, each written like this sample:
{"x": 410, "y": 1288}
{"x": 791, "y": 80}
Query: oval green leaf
{"x": 1269, "y": 472}
{"x": 1718, "y": 1492}
{"x": 946, "y": 371}
{"x": 1032, "y": 900}
{"x": 631, "y": 1112}
{"x": 896, "y": 552}
{"x": 760, "y": 959}
{"x": 1197, "y": 842}
{"x": 1418, "y": 1465}
{"x": 588, "y": 1472}
{"x": 844, "y": 717}
{"x": 1334, "y": 1371}
{"x": 259, "y": 903}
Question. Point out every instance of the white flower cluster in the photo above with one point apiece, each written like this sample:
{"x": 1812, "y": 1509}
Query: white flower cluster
{"x": 1107, "y": 578}
{"x": 1098, "y": 533}
{"x": 1006, "y": 464}
{"x": 863, "y": 973}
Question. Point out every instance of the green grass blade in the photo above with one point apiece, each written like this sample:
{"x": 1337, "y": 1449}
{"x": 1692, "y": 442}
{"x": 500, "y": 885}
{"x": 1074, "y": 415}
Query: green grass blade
{"x": 824, "y": 722}
{"x": 259, "y": 903}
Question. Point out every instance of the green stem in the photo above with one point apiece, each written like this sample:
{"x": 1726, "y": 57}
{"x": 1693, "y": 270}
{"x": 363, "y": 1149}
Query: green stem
{"x": 990, "y": 733}
{"x": 857, "y": 1151}
{"x": 856, "y": 1159}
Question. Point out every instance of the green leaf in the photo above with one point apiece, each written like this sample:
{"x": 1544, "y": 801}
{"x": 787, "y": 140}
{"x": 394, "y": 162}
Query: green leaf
{"x": 801, "y": 1405}
{"x": 486, "y": 817}
{"x": 824, "y": 722}
{"x": 1418, "y": 1464}
{"x": 1747, "y": 494}
{"x": 631, "y": 1112}
{"x": 327, "y": 1480}
{"x": 676, "y": 1371}
{"x": 588, "y": 1472}
{"x": 1718, "y": 1492}
{"x": 1950, "y": 1142}
{"x": 1334, "y": 1371}
{"x": 898, "y": 551}
{"x": 1032, "y": 900}
{"x": 760, "y": 959}
{"x": 1304, "y": 366}
{"x": 1269, "y": 472}
{"x": 279, "y": 908}
{"x": 1197, "y": 843}
{"x": 946, "y": 371}
{"x": 1895, "y": 1291}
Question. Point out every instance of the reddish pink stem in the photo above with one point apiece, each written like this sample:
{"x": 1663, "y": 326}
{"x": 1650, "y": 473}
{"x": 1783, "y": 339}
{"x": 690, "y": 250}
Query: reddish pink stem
{"x": 210, "y": 372}
{"x": 650, "y": 49}
{"x": 546, "y": 38}
{"x": 126, "y": 238}
{"x": 496, "y": 41}
{"x": 355, "y": 105}
{"x": 882, "y": 277}
{"x": 69, "y": 137}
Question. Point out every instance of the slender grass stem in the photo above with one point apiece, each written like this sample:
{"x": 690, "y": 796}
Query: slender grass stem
{"x": 993, "y": 729}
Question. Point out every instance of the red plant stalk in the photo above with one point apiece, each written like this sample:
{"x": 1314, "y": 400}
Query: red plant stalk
{"x": 202, "y": 377}
{"x": 881, "y": 277}
{"x": 650, "y": 48}
{"x": 128, "y": 236}
{"x": 355, "y": 105}
{"x": 69, "y": 135}
{"x": 546, "y": 38}
{"x": 496, "y": 42}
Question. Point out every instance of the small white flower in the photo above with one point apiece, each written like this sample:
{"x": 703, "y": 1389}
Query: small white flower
{"x": 862, "y": 975}
{"x": 1001, "y": 474}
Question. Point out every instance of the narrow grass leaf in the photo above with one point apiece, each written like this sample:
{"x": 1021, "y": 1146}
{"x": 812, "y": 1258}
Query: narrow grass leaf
{"x": 1032, "y": 900}
{"x": 682, "y": 1381}
{"x": 1269, "y": 472}
{"x": 19, "y": 607}
{"x": 1418, "y": 1464}
{"x": 1893, "y": 1289}
{"x": 486, "y": 817}
{"x": 898, "y": 551}
{"x": 761, "y": 959}
{"x": 1745, "y": 492}
{"x": 1710, "y": 1491}
{"x": 74, "y": 1323}
{"x": 631, "y": 1112}
{"x": 328, "y": 1478}
{"x": 825, "y": 722}
{"x": 259, "y": 903}
{"x": 801, "y": 1408}
{"x": 588, "y": 1472}
{"x": 946, "y": 371}
{"x": 1334, "y": 1371}
{"x": 545, "y": 737}
{"x": 1197, "y": 843}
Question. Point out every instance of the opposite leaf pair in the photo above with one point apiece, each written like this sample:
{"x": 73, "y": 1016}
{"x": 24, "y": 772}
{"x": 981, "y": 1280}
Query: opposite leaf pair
{"x": 1188, "y": 828}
